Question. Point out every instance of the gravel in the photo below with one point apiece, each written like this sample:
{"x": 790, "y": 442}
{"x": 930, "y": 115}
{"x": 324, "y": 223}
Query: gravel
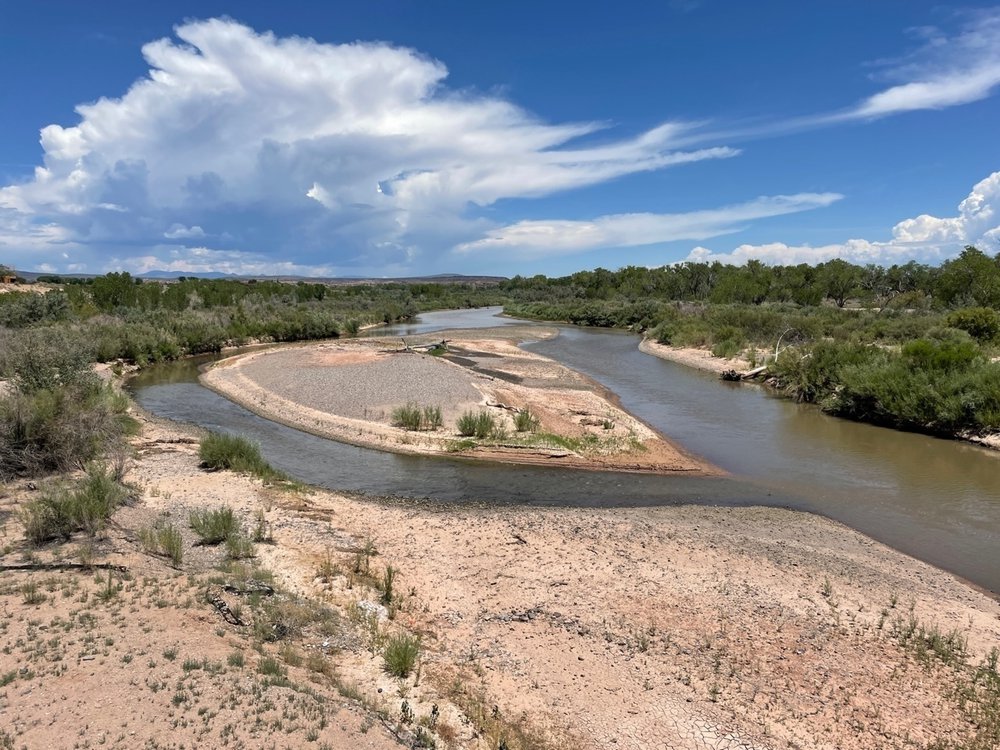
{"x": 368, "y": 390}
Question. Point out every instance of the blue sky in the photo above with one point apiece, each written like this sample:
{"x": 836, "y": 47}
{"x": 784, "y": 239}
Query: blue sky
{"x": 398, "y": 138}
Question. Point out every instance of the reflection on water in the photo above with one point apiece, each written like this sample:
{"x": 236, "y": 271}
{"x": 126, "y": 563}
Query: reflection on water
{"x": 935, "y": 499}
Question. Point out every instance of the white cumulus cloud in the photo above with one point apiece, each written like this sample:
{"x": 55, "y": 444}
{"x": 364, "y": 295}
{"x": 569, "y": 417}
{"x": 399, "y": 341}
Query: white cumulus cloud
{"x": 926, "y": 238}
{"x": 345, "y": 155}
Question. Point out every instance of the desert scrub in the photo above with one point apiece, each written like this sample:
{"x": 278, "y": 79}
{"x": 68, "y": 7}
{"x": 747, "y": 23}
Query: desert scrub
{"x": 236, "y": 453}
{"x": 525, "y": 421}
{"x": 64, "y": 509}
{"x": 215, "y": 526}
{"x": 476, "y": 424}
{"x": 414, "y": 417}
{"x": 400, "y": 654}
{"x": 164, "y": 539}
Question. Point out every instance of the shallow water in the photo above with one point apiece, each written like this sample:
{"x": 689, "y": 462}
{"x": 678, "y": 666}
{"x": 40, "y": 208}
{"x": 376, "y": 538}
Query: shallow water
{"x": 938, "y": 500}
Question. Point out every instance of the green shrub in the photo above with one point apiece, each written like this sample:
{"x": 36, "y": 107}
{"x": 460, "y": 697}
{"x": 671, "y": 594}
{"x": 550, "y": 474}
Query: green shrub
{"x": 476, "y": 424}
{"x": 982, "y": 323}
{"x": 239, "y": 547}
{"x": 49, "y": 517}
{"x": 215, "y": 526}
{"x": 413, "y": 417}
{"x": 236, "y": 453}
{"x": 409, "y": 417}
{"x": 60, "y": 428}
{"x": 387, "y": 583}
{"x": 64, "y": 509}
{"x": 432, "y": 419}
{"x": 400, "y": 655}
{"x": 270, "y": 666}
{"x": 525, "y": 421}
{"x": 165, "y": 540}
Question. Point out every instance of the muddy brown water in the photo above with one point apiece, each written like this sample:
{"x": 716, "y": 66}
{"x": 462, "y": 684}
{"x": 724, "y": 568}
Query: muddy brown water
{"x": 938, "y": 500}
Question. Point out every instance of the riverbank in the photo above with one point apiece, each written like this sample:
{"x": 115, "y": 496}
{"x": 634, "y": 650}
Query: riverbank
{"x": 703, "y": 359}
{"x": 351, "y": 391}
{"x": 685, "y": 627}
{"x": 700, "y": 359}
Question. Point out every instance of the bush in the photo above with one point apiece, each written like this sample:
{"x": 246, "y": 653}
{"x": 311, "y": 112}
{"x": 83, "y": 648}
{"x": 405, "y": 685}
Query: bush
{"x": 941, "y": 387}
{"x": 432, "y": 418}
{"x": 412, "y": 417}
{"x": 45, "y": 358}
{"x": 64, "y": 509}
{"x": 479, "y": 425}
{"x": 164, "y": 540}
{"x": 60, "y": 428}
{"x": 982, "y": 323}
{"x": 239, "y": 547}
{"x": 236, "y": 453}
{"x": 525, "y": 421}
{"x": 215, "y": 526}
{"x": 400, "y": 655}
{"x": 408, "y": 417}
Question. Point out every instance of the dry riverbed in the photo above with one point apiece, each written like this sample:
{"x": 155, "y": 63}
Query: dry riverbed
{"x": 350, "y": 391}
{"x": 680, "y": 627}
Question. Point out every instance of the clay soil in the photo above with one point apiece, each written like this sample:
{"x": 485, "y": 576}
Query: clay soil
{"x": 348, "y": 391}
{"x": 680, "y": 627}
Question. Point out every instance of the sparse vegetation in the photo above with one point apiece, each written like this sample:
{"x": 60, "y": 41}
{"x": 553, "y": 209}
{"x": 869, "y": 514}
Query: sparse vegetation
{"x": 164, "y": 539}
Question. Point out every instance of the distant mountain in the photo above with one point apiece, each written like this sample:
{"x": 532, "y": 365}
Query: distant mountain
{"x": 160, "y": 275}
{"x": 189, "y": 275}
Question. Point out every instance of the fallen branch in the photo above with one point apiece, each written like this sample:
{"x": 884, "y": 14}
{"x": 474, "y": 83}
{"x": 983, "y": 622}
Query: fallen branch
{"x": 249, "y": 587}
{"x": 64, "y": 566}
{"x": 223, "y": 609}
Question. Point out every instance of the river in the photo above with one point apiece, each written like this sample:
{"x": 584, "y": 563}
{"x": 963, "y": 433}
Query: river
{"x": 935, "y": 499}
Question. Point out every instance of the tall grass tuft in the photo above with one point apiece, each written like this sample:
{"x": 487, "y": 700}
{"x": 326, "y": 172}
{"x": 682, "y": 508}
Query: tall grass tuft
{"x": 525, "y": 421}
{"x": 215, "y": 526}
{"x": 409, "y": 417}
{"x": 413, "y": 417}
{"x": 479, "y": 425}
{"x": 165, "y": 540}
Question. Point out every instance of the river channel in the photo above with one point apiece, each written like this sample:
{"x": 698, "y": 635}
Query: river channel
{"x": 938, "y": 500}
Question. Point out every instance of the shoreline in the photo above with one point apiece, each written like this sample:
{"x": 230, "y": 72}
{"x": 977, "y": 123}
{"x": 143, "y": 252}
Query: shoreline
{"x": 582, "y": 425}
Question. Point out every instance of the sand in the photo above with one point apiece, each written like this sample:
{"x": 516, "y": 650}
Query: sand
{"x": 680, "y": 627}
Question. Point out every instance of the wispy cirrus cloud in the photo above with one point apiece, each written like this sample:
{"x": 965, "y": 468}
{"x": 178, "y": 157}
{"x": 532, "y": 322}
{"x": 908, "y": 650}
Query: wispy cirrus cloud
{"x": 533, "y": 239}
{"x": 926, "y": 238}
{"x": 944, "y": 70}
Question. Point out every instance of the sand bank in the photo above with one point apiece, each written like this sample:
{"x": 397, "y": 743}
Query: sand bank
{"x": 349, "y": 391}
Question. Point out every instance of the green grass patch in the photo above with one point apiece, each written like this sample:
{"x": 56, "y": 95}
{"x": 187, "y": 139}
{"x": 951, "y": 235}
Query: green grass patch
{"x": 236, "y": 453}
{"x": 526, "y": 421}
